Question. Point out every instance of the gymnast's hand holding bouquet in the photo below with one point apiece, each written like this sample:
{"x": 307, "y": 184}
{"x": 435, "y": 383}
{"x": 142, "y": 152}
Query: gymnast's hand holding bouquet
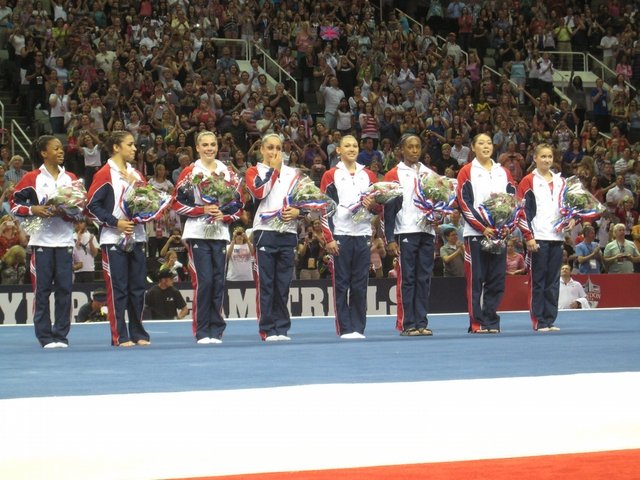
{"x": 304, "y": 196}
{"x": 67, "y": 201}
{"x": 577, "y": 205}
{"x": 141, "y": 203}
{"x": 208, "y": 192}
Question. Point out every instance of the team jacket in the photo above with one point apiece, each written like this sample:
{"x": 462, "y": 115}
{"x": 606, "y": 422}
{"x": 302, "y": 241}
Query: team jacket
{"x": 475, "y": 184}
{"x": 34, "y": 189}
{"x": 400, "y": 214}
{"x": 269, "y": 188}
{"x": 188, "y": 202}
{"x": 345, "y": 189}
{"x": 541, "y": 206}
{"x": 104, "y": 202}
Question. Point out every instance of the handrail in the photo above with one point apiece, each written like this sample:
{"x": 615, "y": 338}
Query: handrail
{"x": 604, "y": 68}
{"x": 514, "y": 84}
{"x": 244, "y": 45}
{"x": 2, "y": 130}
{"x": 412, "y": 21}
{"x": 266, "y": 58}
{"x": 378, "y": 8}
{"x": 443, "y": 41}
{"x": 495, "y": 72}
{"x": 16, "y": 130}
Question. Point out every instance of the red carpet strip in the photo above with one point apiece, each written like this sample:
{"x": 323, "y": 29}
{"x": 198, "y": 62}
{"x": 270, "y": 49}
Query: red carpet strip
{"x": 618, "y": 465}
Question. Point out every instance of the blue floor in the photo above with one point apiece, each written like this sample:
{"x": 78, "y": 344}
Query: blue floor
{"x": 590, "y": 342}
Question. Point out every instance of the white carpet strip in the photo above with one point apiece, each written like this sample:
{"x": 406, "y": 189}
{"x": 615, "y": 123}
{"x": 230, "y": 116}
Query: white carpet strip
{"x": 169, "y": 435}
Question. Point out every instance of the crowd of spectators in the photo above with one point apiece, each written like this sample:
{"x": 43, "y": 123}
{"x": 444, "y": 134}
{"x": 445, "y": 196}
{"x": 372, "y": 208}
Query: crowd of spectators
{"x": 160, "y": 70}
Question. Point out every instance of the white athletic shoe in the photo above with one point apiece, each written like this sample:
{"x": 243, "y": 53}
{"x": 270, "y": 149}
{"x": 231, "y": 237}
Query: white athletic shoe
{"x": 272, "y": 338}
{"x": 214, "y": 341}
{"x": 52, "y": 345}
{"x": 283, "y": 338}
{"x": 352, "y": 336}
{"x": 62, "y": 345}
{"x": 204, "y": 341}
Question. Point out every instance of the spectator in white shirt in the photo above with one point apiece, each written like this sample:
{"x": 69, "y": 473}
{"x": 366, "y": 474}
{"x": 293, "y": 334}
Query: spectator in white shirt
{"x": 59, "y": 103}
{"x": 405, "y": 78}
{"x": 459, "y": 151}
{"x": 609, "y": 45}
{"x": 332, "y": 95}
{"x": 572, "y": 295}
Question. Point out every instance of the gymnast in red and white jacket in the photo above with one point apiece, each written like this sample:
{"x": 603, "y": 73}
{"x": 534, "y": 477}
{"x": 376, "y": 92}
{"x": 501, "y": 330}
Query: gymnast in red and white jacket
{"x": 124, "y": 270}
{"x": 484, "y": 270}
{"x": 206, "y": 232}
{"x": 51, "y": 243}
{"x": 542, "y": 191}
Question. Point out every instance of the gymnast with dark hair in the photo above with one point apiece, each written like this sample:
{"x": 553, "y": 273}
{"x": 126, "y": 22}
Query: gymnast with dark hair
{"x": 412, "y": 244}
{"x": 124, "y": 271}
{"x": 51, "y": 243}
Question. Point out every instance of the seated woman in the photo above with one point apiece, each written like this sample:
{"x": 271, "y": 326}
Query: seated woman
{"x": 13, "y": 266}
{"x": 515, "y": 260}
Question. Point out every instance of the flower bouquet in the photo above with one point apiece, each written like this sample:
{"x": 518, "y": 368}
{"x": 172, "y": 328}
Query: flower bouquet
{"x": 303, "y": 195}
{"x": 577, "y": 204}
{"x": 382, "y": 192}
{"x": 215, "y": 189}
{"x": 68, "y": 201}
{"x": 434, "y": 195}
{"x": 141, "y": 204}
{"x": 500, "y": 211}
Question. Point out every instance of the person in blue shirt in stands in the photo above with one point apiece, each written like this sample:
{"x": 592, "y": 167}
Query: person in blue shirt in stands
{"x": 367, "y": 154}
{"x": 588, "y": 252}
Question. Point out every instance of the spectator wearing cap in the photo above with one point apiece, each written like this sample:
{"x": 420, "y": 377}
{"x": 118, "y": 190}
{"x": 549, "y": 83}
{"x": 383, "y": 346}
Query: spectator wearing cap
{"x": 163, "y": 301}
{"x": 96, "y": 309}
{"x": 452, "y": 254}
{"x": 15, "y": 172}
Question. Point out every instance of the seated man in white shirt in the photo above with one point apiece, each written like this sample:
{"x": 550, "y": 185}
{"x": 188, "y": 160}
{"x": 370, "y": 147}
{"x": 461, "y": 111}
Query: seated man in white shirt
{"x": 572, "y": 295}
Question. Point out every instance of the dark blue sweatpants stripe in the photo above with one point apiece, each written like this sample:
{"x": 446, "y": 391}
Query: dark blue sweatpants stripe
{"x": 485, "y": 274}
{"x": 275, "y": 255}
{"x": 125, "y": 276}
{"x": 350, "y": 279}
{"x": 545, "y": 283}
{"x": 207, "y": 262}
{"x": 414, "y": 280}
{"x": 49, "y": 265}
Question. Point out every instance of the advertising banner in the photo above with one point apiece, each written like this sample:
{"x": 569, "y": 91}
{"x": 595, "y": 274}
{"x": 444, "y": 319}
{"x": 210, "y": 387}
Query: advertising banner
{"x": 314, "y": 298}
